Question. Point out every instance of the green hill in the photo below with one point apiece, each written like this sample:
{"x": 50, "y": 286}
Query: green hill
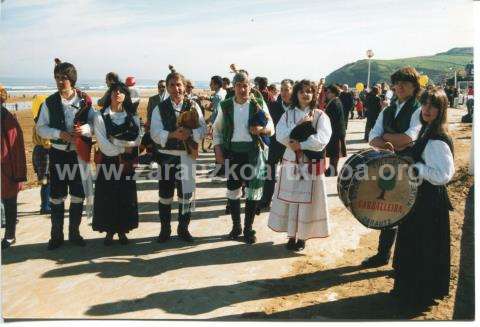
{"x": 436, "y": 67}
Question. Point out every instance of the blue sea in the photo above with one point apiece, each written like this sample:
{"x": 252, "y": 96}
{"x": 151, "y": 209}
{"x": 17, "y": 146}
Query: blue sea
{"x": 16, "y": 85}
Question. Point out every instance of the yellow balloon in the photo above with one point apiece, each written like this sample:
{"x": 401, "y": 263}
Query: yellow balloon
{"x": 423, "y": 80}
{"x": 359, "y": 86}
{"x": 36, "y": 103}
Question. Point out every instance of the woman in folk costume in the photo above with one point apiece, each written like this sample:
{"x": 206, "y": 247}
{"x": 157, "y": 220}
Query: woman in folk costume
{"x": 336, "y": 147}
{"x": 117, "y": 130}
{"x": 177, "y": 127}
{"x": 422, "y": 252}
{"x": 240, "y": 131}
{"x": 66, "y": 118}
{"x": 299, "y": 205}
{"x": 13, "y": 168}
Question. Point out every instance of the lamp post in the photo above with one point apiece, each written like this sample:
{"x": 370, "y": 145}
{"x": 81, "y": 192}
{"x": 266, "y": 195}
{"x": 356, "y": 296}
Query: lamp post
{"x": 369, "y": 56}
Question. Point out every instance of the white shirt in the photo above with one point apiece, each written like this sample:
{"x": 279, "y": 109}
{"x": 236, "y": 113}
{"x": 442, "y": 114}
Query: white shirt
{"x": 438, "y": 168}
{"x": 412, "y": 131}
{"x": 160, "y": 136}
{"x": 111, "y": 146}
{"x": 315, "y": 142}
{"x": 241, "y": 131}
{"x": 70, "y": 108}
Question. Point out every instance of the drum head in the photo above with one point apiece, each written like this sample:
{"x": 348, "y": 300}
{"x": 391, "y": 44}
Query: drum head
{"x": 381, "y": 195}
{"x": 349, "y": 168}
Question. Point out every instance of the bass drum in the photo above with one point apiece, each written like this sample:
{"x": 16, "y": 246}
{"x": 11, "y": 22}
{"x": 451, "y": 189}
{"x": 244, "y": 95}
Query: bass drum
{"x": 376, "y": 187}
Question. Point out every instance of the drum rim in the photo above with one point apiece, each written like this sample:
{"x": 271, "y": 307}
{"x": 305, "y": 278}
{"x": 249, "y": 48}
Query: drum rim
{"x": 348, "y": 203}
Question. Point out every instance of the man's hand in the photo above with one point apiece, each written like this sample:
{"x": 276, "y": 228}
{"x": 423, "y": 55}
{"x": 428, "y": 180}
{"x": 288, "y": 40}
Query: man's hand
{"x": 67, "y": 137}
{"x": 128, "y": 149}
{"x": 294, "y": 145}
{"x": 256, "y": 130}
{"x": 181, "y": 134}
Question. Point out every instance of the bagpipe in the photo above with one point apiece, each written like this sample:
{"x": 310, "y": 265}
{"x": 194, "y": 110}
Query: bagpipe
{"x": 189, "y": 119}
{"x": 83, "y": 142}
{"x": 258, "y": 118}
{"x": 301, "y": 133}
{"x": 128, "y": 131}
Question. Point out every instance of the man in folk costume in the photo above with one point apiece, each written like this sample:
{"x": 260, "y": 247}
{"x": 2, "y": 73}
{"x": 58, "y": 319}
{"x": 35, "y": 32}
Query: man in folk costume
{"x": 276, "y": 149}
{"x": 176, "y": 157}
{"x": 13, "y": 168}
{"x": 66, "y": 118}
{"x": 299, "y": 206}
{"x": 396, "y": 128}
{"x": 239, "y": 133}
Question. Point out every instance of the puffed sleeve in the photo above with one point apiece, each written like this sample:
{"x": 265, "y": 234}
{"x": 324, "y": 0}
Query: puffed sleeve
{"x": 438, "y": 168}
{"x": 283, "y": 130}
{"x": 106, "y": 147}
{"x": 43, "y": 128}
{"x": 199, "y": 133}
{"x": 318, "y": 141}
{"x": 157, "y": 132}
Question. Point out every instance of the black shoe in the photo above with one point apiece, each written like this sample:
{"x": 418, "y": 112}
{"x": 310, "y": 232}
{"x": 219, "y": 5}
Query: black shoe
{"x": 249, "y": 237}
{"x": 123, "y": 239}
{"x": 376, "y": 261}
{"x": 108, "y": 239}
{"x": 300, "y": 245}
{"x": 290, "y": 244}
{"x": 77, "y": 240}
{"x": 54, "y": 244}
{"x": 7, "y": 243}
{"x": 235, "y": 232}
{"x": 164, "y": 235}
{"x": 185, "y": 235}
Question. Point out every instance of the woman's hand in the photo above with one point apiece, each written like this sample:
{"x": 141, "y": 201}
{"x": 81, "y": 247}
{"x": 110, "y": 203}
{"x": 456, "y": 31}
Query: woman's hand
{"x": 294, "y": 145}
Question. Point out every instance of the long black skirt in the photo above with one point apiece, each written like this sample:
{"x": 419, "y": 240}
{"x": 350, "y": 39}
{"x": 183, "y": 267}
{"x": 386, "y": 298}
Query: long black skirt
{"x": 115, "y": 206}
{"x": 422, "y": 251}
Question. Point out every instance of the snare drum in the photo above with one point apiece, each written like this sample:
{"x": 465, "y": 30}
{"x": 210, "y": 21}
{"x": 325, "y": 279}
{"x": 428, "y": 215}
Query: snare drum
{"x": 376, "y": 187}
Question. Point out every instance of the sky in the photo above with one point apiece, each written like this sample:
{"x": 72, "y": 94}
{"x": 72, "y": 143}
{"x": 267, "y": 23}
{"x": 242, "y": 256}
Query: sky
{"x": 274, "y": 38}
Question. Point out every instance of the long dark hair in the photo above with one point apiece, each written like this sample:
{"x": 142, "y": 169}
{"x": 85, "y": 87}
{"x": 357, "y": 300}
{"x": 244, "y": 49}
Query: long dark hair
{"x": 127, "y": 103}
{"x": 298, "y": 87}
{"x": 437, "y": 98}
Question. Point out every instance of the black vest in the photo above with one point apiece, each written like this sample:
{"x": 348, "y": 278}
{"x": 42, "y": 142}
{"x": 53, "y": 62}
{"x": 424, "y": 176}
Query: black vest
{"x": 401, "y": 123}
{"x": 57, "y": 116}
{"x": 169, "y": 121}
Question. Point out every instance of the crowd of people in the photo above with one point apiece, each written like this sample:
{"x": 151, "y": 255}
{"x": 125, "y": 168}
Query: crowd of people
{"x": 256, "y": 130}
